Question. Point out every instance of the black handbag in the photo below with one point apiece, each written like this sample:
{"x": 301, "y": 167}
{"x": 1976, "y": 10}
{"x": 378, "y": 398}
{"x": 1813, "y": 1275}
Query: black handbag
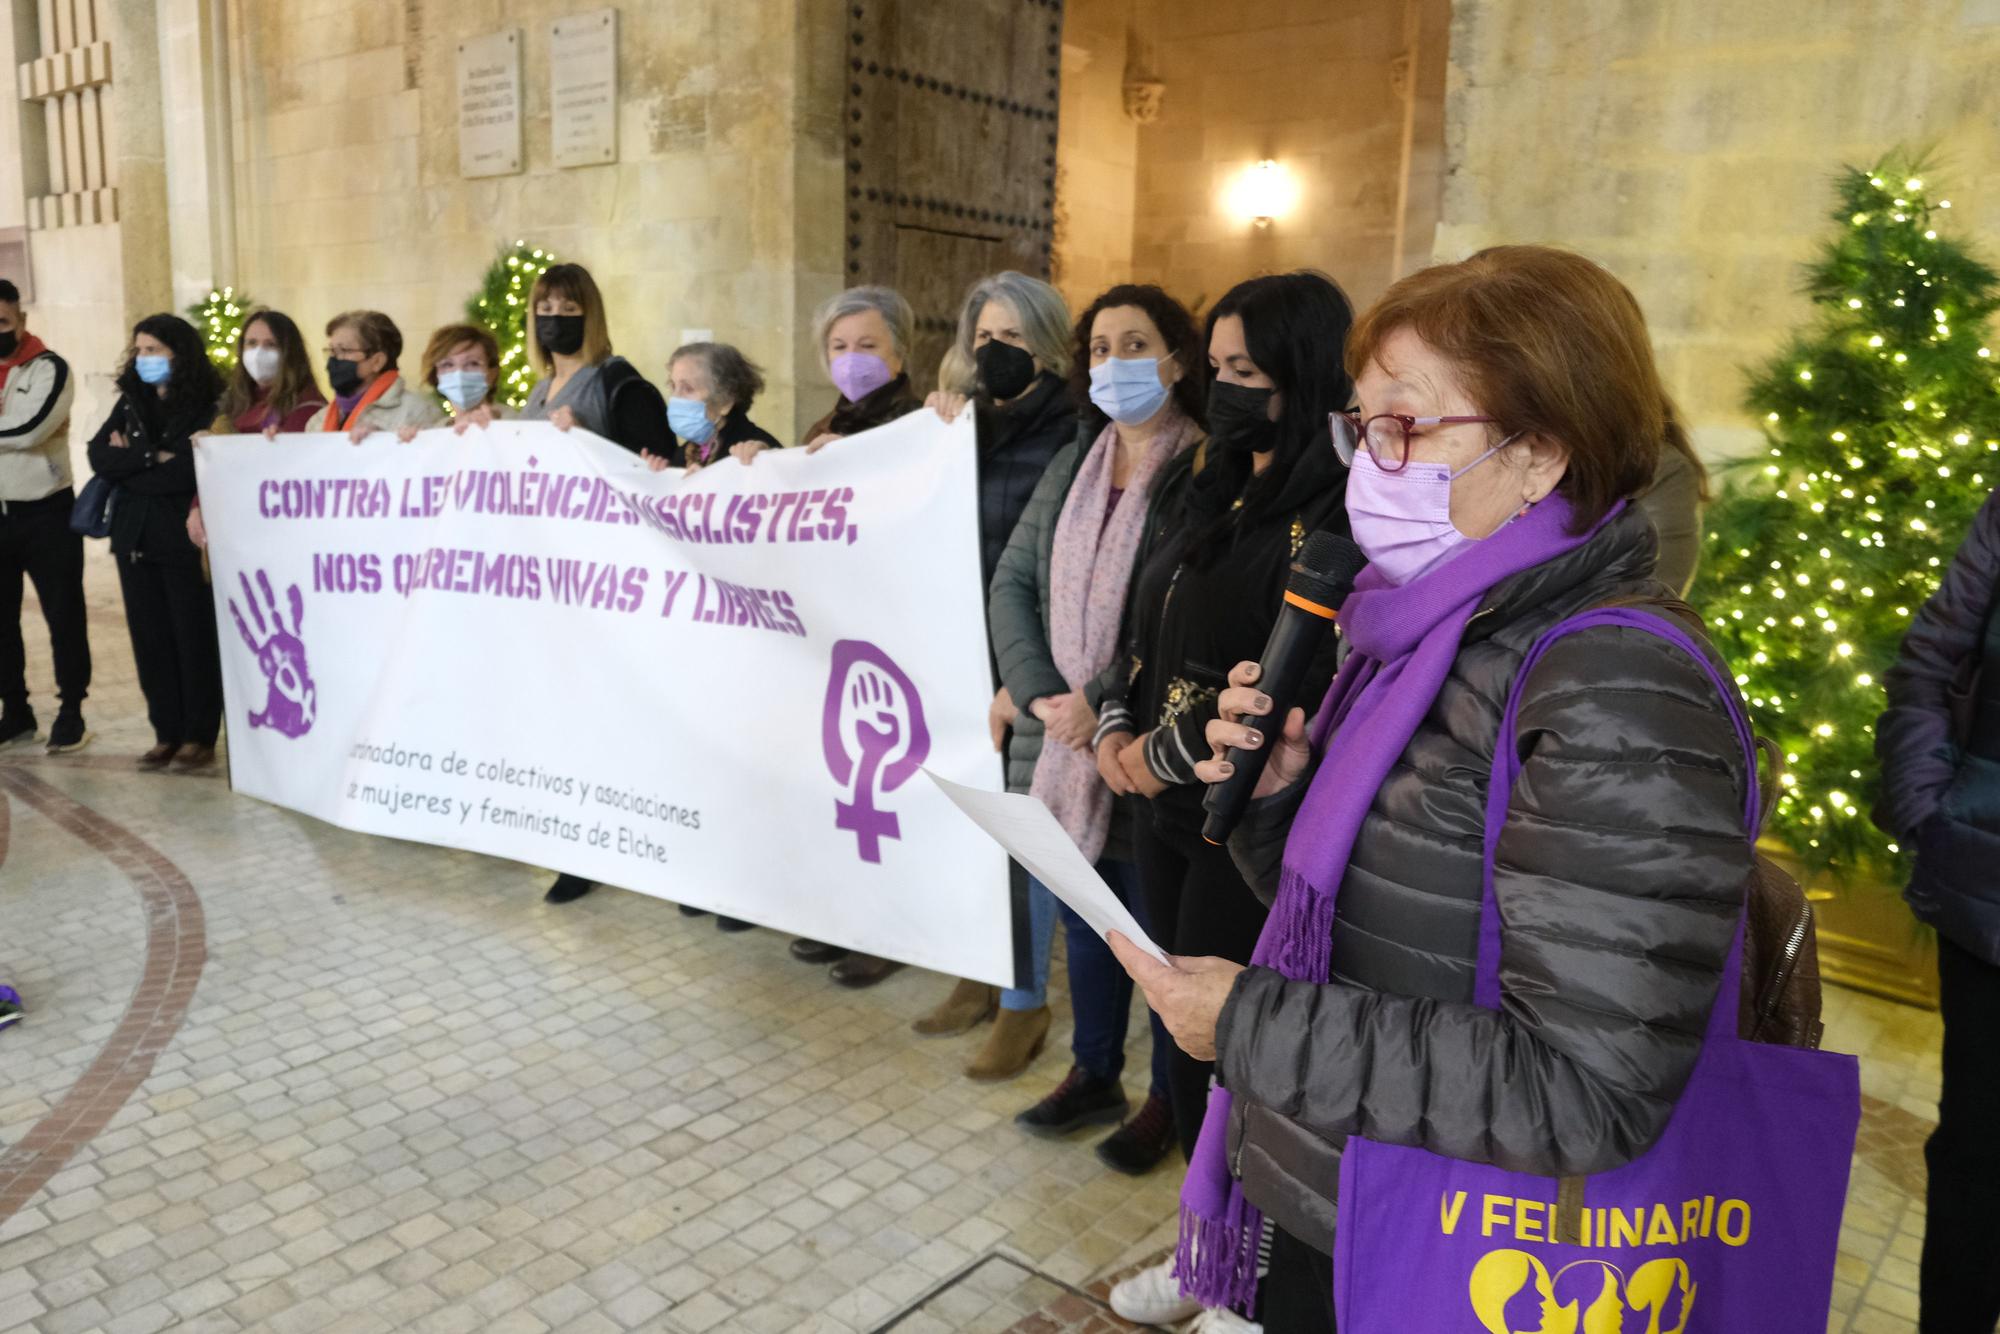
{"x": 91, "y": 514}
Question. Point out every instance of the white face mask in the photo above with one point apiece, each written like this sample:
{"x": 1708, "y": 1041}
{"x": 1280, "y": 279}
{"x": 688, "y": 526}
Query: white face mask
{"x": 262, "y": 363}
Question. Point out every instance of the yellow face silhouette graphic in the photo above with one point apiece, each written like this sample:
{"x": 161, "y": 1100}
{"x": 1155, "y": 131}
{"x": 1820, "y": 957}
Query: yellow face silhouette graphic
{"x": 1500, "y": 1276}
{"x": 1654, "y": 1289}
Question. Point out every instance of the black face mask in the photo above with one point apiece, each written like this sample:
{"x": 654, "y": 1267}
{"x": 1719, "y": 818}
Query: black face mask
{"x": 343, "y": 375}
{"x": 1005, "y": 371}
{"x": 560, "y": 334}
{"x": 10, "y": 343}
{"x": 1239, "y": 417}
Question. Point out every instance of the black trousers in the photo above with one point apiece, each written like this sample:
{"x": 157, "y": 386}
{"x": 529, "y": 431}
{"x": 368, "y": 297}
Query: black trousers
{"x": 1961, "y": 1263}
{"x": 35, "y": 542}
{"x": 171, "y": 614}
{"x": 1296, "y": 1296}
{"x": 1199, "y": 905}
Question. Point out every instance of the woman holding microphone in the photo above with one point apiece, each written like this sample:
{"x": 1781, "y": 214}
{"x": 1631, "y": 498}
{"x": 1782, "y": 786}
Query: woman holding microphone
{"x": 1510, "y": 413}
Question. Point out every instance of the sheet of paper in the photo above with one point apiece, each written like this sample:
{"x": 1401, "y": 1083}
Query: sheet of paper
{"x": 1028, "y": 830}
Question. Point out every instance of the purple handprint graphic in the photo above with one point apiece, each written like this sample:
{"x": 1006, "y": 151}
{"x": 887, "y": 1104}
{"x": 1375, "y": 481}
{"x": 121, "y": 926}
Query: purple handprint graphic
{"x": 293, "y": 703}
{"x": 875, "y": 739}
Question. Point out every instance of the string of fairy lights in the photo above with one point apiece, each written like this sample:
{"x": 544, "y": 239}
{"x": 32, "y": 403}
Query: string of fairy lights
{"x": 219, "y": 317}
{"x": 1879, "y": 423}
{"x": 500, "y": 306}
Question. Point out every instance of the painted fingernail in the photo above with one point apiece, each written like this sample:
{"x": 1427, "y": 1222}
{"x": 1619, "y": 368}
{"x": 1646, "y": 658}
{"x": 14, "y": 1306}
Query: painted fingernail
{"x": 1225, "y": 769}
{"x": 1264, "y": 703}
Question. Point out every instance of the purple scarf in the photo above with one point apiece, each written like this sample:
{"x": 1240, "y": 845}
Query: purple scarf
{"x": 1404, "y": 641}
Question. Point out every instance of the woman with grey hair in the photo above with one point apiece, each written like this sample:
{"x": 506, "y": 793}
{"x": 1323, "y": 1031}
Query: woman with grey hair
{"x": 713, "y": 386}
{"x": 1010, "y": 361}
{"x": 864, "y": 337}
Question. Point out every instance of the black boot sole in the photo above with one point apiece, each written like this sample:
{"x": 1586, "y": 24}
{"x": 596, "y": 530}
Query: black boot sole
{"x": 1105, "y": 1116}
{"x": 1129, "y": 1167}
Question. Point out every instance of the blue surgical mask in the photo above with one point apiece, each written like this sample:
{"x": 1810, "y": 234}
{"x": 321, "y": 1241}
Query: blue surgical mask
{"x": 1128, "y": 390}
{"x": 465, "y": 389}
{"x": 689, "y": 418}
{"x": 153, "y": 370}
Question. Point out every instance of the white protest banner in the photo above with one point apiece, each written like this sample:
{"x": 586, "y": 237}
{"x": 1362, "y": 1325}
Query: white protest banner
{"x": 715, "y": 689}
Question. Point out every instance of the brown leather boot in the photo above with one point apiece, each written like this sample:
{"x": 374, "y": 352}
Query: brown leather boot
{"x": 194, "y": 757}
{"x": 969, "y": 1005}
{"x": 159, "y": 756}
{"x": 1012, "y": 1046}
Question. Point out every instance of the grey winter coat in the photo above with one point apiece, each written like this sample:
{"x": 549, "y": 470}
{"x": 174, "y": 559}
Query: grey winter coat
{"x": 1018, "y": 615}
{"x": 1620, "y": 880}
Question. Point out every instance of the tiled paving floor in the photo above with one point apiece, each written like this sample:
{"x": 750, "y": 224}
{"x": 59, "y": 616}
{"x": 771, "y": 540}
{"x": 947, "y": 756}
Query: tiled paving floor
{"x": 407, "y": 1095}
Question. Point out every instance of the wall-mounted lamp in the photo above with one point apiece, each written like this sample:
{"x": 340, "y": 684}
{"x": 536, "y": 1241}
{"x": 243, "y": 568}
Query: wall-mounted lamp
{"x": 1263, "y": 192}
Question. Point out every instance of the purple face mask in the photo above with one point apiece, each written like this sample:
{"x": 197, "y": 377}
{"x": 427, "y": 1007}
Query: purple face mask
{"x": 1403, "y": 519}
{"x": 859, "y": 374}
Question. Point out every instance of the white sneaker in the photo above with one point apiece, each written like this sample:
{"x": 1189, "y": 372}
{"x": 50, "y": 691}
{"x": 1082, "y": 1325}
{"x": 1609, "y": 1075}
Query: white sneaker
{"x": 1221, "y": 1320}
{"x": 1153, "y": 1297}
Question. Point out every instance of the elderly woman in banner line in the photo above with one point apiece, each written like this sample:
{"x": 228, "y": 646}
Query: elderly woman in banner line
{"x": 1510, "y": 412}
{"x": 1010, "y": 364}
{"x": 864, "y": 336}
{"x": 369, "y": 392}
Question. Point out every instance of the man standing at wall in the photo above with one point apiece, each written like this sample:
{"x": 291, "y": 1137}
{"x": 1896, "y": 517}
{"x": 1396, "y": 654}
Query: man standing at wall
{"x": 36, "y": 391}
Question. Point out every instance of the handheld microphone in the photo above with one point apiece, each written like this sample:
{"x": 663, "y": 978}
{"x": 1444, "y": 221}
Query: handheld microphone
{"x": 1322, "y": 577}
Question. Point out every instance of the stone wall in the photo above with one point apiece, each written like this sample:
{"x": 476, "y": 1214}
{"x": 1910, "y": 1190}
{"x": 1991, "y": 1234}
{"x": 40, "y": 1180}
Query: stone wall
{"x": 722, "y": 213}
{"x": 92, "y": 281}
{"x": 1313, "y": 87}
{"x": 1097, "y": 153}
{"x": 1689, "y": 145}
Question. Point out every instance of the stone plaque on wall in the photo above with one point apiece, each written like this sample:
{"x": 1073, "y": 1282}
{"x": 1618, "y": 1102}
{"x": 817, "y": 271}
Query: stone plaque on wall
{"x": 583, "y": 88}
{"x": 489, "y": 105}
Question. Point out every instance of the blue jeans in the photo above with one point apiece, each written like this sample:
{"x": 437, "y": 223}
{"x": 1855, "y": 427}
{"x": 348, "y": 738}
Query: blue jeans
{"x": 1041, "y": 939}
{"x": 1100, "y": 991}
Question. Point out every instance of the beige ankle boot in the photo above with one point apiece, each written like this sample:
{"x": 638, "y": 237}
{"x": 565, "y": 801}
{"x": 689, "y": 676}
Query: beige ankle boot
{"x": 969, "y": 1005}
{"x": 1012, "y": 1046}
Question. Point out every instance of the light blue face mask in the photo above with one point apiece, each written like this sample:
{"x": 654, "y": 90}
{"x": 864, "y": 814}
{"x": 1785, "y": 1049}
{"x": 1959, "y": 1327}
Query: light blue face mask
{"x": 153, "y": 370}
{"x": 465, "y": 389}
{"x": 689, "y": 418}
{"x": 1128, "y": 390}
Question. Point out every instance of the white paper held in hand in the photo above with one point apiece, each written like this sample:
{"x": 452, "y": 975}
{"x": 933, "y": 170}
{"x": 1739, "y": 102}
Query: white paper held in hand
{"x": 1029, "y": 831}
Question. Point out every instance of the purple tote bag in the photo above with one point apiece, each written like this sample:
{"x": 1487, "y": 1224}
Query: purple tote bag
{"x": 1728, "y": 1224}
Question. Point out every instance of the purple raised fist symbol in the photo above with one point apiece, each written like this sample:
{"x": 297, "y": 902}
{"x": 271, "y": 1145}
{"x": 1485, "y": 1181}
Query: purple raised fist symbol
{"x": 875, "y": 740}
{"x": 293, "y": 702}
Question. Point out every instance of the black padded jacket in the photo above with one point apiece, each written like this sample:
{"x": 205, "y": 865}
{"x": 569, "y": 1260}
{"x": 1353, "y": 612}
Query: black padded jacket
{"x": 1620, "y": 879}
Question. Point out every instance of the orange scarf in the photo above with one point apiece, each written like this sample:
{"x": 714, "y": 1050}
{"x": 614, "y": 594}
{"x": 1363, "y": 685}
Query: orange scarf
{"x": 333, "y": 421}
{"x": 29, "y": 348}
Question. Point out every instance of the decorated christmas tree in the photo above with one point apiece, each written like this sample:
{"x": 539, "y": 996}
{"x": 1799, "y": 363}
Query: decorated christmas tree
{"x": 501, "y": 306}
{"x": 1882, "y": 422}
{"x": 220, "y": 321}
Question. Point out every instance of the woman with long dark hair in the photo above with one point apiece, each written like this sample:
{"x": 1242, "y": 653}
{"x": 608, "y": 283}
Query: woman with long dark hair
{"x": 273, "y": 387}
{"x": 271, "y": 391}
{"x": 1206, "y": 598}
{"x": 167, "y": 394}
